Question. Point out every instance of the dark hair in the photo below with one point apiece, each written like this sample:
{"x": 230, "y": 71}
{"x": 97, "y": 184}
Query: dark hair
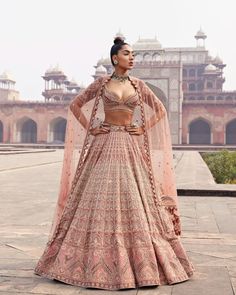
{"x": 118, "y": 43}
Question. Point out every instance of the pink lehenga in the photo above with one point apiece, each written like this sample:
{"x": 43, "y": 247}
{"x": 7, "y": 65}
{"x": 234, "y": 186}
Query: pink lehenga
{"x": 116, "y": 223}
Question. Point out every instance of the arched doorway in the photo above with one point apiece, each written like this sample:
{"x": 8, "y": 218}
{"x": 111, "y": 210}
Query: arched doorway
{"x": 57, "y": 130}
{"x": 29, "y": 131}
{"x": 25, "y": 130}
{"x": 1, "y": 131}
{"x": 231, "y": 132}
{"x": 199, "y": 132}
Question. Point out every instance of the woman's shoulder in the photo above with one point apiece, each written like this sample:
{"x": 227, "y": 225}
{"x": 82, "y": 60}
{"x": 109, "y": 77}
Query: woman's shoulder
{"x": 137, "y": 80}
{"x": 97, "y": 82}
{"x": 101, "y": 79}
{"x": 139, "y": 83}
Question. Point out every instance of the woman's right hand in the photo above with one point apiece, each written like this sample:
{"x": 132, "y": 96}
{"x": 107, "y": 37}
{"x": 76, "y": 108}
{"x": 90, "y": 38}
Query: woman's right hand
{"x": 99, "y": 130}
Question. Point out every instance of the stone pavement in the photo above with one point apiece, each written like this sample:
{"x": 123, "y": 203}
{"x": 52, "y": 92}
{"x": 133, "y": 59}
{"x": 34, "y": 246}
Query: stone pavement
{"x": 28, "y": 192}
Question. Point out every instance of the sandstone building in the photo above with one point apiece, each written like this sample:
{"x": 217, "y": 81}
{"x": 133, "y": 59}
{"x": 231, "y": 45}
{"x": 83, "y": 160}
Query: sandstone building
{"x": 188, "y": 80}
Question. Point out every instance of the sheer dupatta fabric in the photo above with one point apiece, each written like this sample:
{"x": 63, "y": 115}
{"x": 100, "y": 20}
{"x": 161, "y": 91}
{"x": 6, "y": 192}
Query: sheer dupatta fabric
{"x": 157, "y": 141}
{"x": 86, "y": 111}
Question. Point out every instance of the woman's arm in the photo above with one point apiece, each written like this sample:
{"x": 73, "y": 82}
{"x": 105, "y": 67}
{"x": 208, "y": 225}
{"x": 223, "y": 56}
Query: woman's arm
{"x": 82, "y": 98}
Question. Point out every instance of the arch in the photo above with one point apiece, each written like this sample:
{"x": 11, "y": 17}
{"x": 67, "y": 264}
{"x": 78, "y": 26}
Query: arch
{"x": 57, "y": 130}
{"x": 192, "y": 87}
{"x": 26, "y": 130}
{"x": 156, "y": 57}
{"x": 51, "y": 99}
{"x": 200, "y": 86}
{"x": 199, "y": 132}
{"x": 56, "y": 98}
{"x": 209, "y": 85}
{"x": 67, "y": 98}
{"x": 210, "y": 97}
{"x": 192, "y": 73}
{"x": 200, "y": 98}
{"x": 1, "y": 131}
{"x": 230, "y": 132}
{"x": 147, "y": 57}
{"x": 138, "y": 57}
{"x": 199, "y": 72}
{"x": 219, "y": 97}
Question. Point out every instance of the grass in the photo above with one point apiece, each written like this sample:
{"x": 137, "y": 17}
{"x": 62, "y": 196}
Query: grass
{"x": 222, "y": 165}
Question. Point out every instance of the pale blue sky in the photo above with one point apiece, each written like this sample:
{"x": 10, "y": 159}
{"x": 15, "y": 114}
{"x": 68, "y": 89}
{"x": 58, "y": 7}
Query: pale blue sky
{"x": 36, "y": 34}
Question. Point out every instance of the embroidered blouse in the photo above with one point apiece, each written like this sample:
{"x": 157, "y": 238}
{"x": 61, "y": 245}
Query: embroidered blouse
{"x": 112, "y": 103}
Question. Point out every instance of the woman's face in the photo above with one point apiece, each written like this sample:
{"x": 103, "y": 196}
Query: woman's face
{"x": 125, "y": 58}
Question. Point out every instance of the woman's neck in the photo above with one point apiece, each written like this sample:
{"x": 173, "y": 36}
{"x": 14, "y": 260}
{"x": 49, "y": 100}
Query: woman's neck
{"x": 121, "y": 72}
{"x": 119, "y": 77}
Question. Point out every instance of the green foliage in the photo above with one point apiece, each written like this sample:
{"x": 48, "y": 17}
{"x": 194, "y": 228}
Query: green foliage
{"x": 222, "y": 165}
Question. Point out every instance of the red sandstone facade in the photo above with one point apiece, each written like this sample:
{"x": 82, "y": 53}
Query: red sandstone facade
{"x": 30, "y": 122}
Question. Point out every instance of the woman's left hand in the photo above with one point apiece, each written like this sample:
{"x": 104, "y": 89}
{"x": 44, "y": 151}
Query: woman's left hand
{"x": 133, "y": 130}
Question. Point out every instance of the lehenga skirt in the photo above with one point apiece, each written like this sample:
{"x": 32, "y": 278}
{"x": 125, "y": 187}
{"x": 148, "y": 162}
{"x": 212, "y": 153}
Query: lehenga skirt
{"x": 111, "y": 234}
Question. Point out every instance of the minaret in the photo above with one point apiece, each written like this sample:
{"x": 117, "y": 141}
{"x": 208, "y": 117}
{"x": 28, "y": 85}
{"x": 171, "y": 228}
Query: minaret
{"x": 7, "y": 88}
{"x": 200, "y": 38}
{"x": 119, "y": 34}
{"x": 55, "y": 84}
{"x": 58, "y": 87}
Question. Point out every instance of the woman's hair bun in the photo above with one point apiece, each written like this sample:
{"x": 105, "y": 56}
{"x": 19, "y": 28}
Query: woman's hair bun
{"x": 118, "y": 40}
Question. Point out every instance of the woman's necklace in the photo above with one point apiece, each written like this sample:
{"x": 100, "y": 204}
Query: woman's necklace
{"x": 121, "y": 79}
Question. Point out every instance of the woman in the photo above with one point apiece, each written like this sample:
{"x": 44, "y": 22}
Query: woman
{"x": 116, "y": 223}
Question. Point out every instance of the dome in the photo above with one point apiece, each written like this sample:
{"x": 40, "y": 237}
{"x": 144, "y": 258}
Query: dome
{"x": 218, "y": 60}
{"x": 101, "y": 70}
{"x": 6, "y": 76}
{"x": 104, "y": 61}
{"x": 49, "y": 70}
{"x": 209, "y": 59}
{"x": 147, "y": 44}
{"x": 210, "y": 68}
{"x": 54, "y": 70}
{"x": 200, "y": 34}
{"x": 119, "y": 34}
{"x": 73, "y": 82}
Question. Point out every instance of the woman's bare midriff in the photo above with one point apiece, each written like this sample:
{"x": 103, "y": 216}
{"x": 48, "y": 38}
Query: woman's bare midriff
{"x": 118, "y": 118}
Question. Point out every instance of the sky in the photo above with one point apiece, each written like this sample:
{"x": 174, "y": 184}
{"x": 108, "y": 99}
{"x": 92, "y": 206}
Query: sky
{"x": 38, "y": 34}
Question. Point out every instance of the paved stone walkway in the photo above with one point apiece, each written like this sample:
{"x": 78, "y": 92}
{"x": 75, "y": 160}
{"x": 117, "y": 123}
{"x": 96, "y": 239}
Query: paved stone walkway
{"x": 28, "y": 192}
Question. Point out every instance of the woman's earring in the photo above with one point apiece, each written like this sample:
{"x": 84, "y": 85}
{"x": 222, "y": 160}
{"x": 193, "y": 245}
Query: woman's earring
{"x": 115, "y": 62}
